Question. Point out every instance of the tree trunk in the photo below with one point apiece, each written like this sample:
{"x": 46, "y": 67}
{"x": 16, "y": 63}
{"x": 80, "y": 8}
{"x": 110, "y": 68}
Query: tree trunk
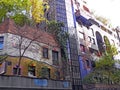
{"x": 18, "y": 66}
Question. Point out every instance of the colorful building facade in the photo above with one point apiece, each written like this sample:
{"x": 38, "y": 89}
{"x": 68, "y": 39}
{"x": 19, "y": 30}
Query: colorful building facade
{"x": 34, "y": 52}
{"x": 93, "y": 37}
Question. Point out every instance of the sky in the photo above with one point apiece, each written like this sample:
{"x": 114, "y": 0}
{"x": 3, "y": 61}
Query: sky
{"x": 106, "y": 8}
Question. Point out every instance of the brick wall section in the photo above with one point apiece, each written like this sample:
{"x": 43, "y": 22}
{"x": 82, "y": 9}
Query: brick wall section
{"x": 4, "y": 27}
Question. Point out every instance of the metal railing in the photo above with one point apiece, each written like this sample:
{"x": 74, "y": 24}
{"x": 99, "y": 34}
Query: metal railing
{"x": 27, "y": 83}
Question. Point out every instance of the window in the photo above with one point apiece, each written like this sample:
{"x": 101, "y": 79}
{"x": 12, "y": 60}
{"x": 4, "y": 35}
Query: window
{"x": 81, "y": 35}
{"x": 93, "y": 63}
{"x": 45, "y": 52}
{"x": 2, "y": 67}
{"x": 93, "y": 41}
{"x": 15, "y": 71}
{"x": 82, "y": 48}
{"x": 57, "y": 73}
{"x": 87, "y": 63}
{"x": 1, "y": 42}
{"x": 92, "y": 50}
{"x": 89, "y": 38}
{"x": 92, "y": 32}
{"x": 75, "y": 69}
{"x": 55, "y": 57}
{"x": 9, "y": 63}
{"x": 31, "y": 70}
{"x": 113, "y": 42}
{"x": 45, "y": 72}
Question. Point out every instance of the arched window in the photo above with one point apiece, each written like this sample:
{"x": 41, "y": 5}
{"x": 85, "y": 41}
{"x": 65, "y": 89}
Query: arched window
{"x": 99, "y": 42}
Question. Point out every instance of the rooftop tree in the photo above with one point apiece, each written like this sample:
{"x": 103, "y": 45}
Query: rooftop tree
{"x": 22, "y": 10}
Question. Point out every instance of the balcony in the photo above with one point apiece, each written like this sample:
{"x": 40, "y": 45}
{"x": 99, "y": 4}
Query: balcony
{"x": 26, "y": 83}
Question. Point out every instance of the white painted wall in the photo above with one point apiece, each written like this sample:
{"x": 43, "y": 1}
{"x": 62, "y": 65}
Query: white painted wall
{"x": 34, "y": 51}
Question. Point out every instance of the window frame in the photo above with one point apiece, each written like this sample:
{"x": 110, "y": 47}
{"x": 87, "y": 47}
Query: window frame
{"x": 45, "y": 72}
{"x": 81, "y": 35}
{"x": 82, "y": 48}
{"x": 15, "y": 70}
{"x": 1, "y": 42}
{"x": 87, "y": 63}
{"x": 31, "y": 70}
{"x": 55, "y": 57}
{"x": 55, "y": 53}
{"x": 45, "y": 53}
{"x": 93, "y": 41}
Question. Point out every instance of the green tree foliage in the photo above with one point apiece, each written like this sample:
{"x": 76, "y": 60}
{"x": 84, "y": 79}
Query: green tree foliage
{"x": 112, "y": 50}
{"x": 37, "y": 10}
{"x": 103, "y": 19}
{"x": 12, "y": 7}
{"x": 3, "y": 58}
{"x": 22, "y": 10}
{"x": 21, "y": 19}
{"x": 106, "y": 61}
{"x": 105, "y": 70}
{"x": 56, "y": 29}
{"x": 44, "y": 72}
{"x": 61, "y": 37}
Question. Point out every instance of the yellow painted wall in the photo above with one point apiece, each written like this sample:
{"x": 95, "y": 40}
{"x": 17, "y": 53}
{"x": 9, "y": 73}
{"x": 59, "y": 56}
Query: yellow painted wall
{"x": 24, "y": 66}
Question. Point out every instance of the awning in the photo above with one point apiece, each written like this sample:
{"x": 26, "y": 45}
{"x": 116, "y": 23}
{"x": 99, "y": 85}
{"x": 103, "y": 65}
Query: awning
{"x": 81, "y": 19}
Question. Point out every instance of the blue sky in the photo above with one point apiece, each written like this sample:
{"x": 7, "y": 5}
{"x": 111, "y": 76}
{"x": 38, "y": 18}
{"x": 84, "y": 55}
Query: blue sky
{"x": 106, "y": 8}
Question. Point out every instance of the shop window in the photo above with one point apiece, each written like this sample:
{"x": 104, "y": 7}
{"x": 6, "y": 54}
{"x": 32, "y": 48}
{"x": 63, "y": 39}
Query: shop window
{"x": 1, "y": 42}
{"x": 45, "y": 52}
{"x": 31, "y": 70}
